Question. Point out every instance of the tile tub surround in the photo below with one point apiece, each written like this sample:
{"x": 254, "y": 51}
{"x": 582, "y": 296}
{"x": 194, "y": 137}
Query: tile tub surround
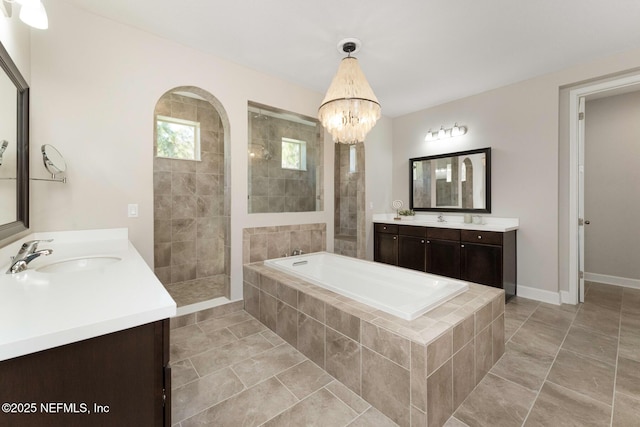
{"x": 261, "y": 243}
{"x": 415, "y": 372}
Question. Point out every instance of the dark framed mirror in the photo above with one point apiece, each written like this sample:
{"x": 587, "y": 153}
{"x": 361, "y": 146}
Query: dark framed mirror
{"x": 452, "y": 182}
{"x": 14, "y": 144}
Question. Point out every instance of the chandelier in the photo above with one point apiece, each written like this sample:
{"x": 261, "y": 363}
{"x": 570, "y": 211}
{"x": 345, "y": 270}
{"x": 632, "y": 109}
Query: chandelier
{"x": 350, "y": 108}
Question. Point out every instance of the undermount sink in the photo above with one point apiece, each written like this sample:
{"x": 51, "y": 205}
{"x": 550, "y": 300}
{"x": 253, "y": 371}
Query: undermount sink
{"x": 78, "y": 264}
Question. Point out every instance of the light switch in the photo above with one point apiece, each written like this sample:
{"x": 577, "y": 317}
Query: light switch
{"x": 132, "y": 209}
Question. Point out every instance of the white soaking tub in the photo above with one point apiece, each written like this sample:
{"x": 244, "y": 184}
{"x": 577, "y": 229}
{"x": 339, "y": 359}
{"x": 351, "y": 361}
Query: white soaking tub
{"x": 403, "y": 293}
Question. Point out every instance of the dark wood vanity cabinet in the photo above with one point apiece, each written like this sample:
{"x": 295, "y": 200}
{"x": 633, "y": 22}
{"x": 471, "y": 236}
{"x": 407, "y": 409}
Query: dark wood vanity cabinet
{"x": 443, "y": 252}
{"x": 118, "y": 379}
{"x": 385, "y": 244}
{"x": 412, "y": 247}
{"x": 484, "y": 257}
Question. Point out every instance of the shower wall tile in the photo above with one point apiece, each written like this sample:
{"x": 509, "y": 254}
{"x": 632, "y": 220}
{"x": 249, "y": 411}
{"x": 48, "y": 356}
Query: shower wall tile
{"x": 190, "y": 199}
{"x": 263, "y": 243}
{"x": 162, "y": 206}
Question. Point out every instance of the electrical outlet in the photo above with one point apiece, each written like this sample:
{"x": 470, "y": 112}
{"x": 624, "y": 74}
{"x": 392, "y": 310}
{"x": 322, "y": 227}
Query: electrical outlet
{"x": 132, "y": 210}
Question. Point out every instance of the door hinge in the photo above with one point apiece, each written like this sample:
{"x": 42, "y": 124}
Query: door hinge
{"x": 581, "y": 274}
{"x": 164, "y": 397}
{"x": 580, "y": 116}
{"x": 580, "y": 221}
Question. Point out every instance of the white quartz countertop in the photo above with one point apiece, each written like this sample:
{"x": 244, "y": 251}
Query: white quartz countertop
{"x": 40, "y": 310}
{"x": 488, "y": 223}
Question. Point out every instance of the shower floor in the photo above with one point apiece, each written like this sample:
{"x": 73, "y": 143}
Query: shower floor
{"x": 193, "y": 291}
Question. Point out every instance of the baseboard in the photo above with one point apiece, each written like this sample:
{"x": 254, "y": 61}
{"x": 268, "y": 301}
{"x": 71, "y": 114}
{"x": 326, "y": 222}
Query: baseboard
{"x": 538, "y": 294}
{"x": 612, "y": 280}
{"x": 565, "y": 299}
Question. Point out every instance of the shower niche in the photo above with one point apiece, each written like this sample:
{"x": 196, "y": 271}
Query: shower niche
{"x": 191, "y": 196}
{"x": 285, "y": 152}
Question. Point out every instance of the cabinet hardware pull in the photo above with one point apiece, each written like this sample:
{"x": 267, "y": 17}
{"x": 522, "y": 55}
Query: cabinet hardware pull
{"x": 395, "y": 237}
{"x": 462, "y": 246}
{"x": 384, "y": 228}
{"x": 479, "y": 237}
{"x": 428, "y": 241}
{"x": 421, "y": 241}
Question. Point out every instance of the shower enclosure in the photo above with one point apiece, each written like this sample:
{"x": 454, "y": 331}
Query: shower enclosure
{"x": 191, "y": 197}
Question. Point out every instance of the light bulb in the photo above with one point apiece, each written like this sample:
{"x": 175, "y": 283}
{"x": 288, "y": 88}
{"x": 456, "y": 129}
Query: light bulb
{"x": 33, "y": 14}
{"x": 442, "y": 133}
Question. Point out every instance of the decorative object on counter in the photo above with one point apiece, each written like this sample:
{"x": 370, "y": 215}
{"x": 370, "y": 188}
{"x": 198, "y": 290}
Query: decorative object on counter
{"x": 451, "y": 182}
{"x": 467, "y": 218}
{"x": 477, "y": 219}
{"x": 446, "y": 133}
{"x": 54, "y": 163}
{"x": 397, "y": 205}
{"x": 407, "y": 214}
{"x": 350, "y": 108}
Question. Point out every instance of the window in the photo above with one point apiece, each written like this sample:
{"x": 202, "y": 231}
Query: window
{"x": 352, "y": 158}
{"x": 294, "y": 154}
{"x": 177, "y": 139}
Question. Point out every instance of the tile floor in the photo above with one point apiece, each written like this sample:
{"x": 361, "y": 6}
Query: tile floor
{"x": 193, "y": 291}
{"x": 563, "y": 366}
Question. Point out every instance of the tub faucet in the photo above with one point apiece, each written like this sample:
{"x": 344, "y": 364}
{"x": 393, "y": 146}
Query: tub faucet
{"x": 297, "y": 252}
{"x": 441, "y": 218}
{"x": 27, "y": 253}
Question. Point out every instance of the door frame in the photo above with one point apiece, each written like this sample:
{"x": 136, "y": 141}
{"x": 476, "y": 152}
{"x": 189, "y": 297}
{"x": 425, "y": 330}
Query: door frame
{"x": 576, "y": 189}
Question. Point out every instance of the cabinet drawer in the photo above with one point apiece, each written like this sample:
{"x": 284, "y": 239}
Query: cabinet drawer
{"x": 387, "y": 228}
{"x": 443, "y": 233}
{"x": 410, "y": 230}
{"x": 488, "y": 237}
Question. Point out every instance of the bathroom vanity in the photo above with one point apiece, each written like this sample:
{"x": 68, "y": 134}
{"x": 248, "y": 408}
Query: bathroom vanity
{"x": 479, "y": 253}
{"x": 84, "y": 335}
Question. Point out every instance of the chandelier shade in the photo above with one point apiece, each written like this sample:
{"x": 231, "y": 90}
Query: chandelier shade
{"x": 350, "y": 109}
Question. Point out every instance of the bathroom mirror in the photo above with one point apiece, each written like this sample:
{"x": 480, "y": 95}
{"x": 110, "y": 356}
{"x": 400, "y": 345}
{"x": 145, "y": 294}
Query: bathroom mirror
{"x": 14, "y": 131}
{"x": 53, "y": 161}
{"x": 453, "y": 182}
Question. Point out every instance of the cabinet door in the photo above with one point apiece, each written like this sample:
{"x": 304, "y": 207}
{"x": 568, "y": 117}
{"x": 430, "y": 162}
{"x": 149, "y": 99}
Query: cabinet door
{"x": 386, "y": 248}
{"x": 412, "y": 252}
{"x": 443, "y": 258}
{"x": 482, "y": 264}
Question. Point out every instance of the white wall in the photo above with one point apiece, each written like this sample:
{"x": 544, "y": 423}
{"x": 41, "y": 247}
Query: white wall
{"x": 378, "y": 151}
{"x": 530, "y": 161}
{"x": 612, "y": 180}
{"x": 95, "y": 84}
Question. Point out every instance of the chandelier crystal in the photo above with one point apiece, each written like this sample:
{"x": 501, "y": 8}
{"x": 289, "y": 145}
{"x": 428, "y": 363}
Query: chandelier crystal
{"x": 350, "y": 109}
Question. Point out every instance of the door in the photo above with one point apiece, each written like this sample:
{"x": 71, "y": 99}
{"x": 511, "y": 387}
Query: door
{"x": 581, "y": 221}
{"x": 412, "y": 252}
{"x": 481, "y": 264}
{"x": 386, "y": 248}
{"x": 443, "y": 258}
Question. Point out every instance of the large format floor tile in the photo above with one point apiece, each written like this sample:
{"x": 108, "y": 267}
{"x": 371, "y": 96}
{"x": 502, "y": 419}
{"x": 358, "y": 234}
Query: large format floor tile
{"x": 563, "y": 366}
{"x": 583, "y": 361}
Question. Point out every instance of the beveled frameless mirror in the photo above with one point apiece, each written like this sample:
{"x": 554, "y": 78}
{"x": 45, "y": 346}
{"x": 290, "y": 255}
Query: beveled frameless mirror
{"x": 14, "y": 140}
{"x": 452, "y": 182}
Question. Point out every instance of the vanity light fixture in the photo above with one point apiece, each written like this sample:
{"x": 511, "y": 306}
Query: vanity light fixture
{"x": 446, "y": 133}
{"x": 32, "y": 12}
{"x": 350, "y": 108}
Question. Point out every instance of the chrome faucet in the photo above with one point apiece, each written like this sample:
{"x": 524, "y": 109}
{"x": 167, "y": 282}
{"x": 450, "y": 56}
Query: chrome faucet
{"x": 441, "y": 218}
{"x": 27, "y": 253}
{"x": 297, "y": 252}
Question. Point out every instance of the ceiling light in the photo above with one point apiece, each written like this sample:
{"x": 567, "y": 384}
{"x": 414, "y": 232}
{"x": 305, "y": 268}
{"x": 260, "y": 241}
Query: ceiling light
{"x": 350, "y": 108}
{"x": 32, "y": 12}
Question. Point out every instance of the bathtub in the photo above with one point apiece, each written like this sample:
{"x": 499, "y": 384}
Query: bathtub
{"x": 404, "y": 293}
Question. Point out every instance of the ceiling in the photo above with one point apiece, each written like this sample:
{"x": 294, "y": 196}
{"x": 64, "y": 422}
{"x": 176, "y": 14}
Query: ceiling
{"x": 415, "y": 53}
